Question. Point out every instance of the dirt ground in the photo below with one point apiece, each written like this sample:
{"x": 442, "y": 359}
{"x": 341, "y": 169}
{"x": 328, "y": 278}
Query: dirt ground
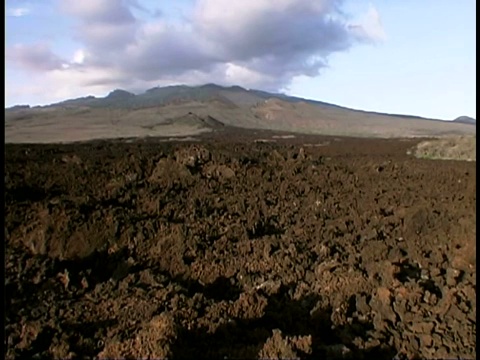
{"x": 304, "y": 248}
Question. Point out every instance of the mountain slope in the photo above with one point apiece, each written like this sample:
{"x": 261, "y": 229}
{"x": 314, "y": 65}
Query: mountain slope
{"x": 465, "y": 120}
{"x": 186, "y": 110}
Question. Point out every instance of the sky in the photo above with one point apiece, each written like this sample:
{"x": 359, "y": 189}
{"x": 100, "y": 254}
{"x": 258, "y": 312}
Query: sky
{"x": 414, "y": 57}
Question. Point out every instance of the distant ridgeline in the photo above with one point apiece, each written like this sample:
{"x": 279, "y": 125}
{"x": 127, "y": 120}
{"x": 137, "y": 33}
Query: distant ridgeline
{"x": 465, "y": 120}
{"x": 19, "y": 107}
{"x": 160, "y": 96}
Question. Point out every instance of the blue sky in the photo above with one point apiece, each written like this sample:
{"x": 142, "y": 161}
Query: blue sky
{"x": 407, "y": 57}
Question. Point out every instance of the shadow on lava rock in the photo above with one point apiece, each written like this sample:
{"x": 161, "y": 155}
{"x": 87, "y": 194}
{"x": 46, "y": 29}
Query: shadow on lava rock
{"x": 287, "y": 329}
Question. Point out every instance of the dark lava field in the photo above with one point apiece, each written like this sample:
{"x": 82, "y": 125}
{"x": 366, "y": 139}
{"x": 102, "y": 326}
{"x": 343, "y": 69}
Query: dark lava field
{"x": 309, "y": 248}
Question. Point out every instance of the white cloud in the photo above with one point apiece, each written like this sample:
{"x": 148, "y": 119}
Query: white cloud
{"x": 253, "y": 43}
{"x": 79, "y": 56}
{"x": 370, "y": 26}
{"x": 373, "y": 25}
{"x": 237, "y": 74}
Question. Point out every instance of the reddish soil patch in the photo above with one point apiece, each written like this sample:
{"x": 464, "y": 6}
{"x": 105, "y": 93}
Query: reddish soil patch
{"x": 239, "y": 250}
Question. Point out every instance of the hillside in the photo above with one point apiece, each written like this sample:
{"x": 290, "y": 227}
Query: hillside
{"x": 185, "y": 111}
{"x": 466, "y": 120}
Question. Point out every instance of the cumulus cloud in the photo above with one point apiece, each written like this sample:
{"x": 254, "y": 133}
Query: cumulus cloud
{"x": 102, "y": 25}
{"x": 253, "y": 43}
{"x": 256, "y": 28}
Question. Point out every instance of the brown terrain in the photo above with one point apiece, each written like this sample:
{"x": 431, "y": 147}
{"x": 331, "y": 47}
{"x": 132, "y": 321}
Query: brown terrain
{"x": 243, "y": 245}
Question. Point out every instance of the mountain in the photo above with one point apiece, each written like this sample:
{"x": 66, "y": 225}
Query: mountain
{"x": 18, "y": 107}
{"x": 160, "y": 96}
{"x": 465, "y": 120}
{"x": 182, "y": 110}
